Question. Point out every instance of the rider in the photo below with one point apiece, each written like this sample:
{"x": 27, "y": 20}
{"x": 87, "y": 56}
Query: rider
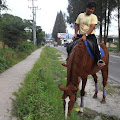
{"x": 85, "y": 24}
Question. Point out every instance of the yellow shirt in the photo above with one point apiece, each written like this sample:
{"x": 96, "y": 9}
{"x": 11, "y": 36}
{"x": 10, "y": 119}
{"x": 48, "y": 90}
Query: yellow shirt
{"x": 85, "y": 21}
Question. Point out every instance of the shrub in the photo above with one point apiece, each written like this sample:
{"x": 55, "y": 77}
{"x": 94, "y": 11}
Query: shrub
{"x": 2, "y": 63}
{"x": 26, "y": 47}
{"x": 9, "y": 57}
{"x": 6, "y": 58}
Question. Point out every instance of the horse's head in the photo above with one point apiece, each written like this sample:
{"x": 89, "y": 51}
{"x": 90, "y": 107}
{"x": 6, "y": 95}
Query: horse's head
{"x": 69, "y": 98}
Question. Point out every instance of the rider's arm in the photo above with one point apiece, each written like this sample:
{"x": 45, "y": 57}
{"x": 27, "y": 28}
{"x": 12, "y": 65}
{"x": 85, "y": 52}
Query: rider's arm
{"x": 92, "y": 27}
{"x": 93, "y": 23}
{"x": 76, "y": 28}
{"x": 76, "y": 31}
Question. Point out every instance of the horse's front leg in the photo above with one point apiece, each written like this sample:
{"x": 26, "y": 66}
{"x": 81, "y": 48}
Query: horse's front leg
{"x": 96, "y": 86}
{"x": 84, "y": 81}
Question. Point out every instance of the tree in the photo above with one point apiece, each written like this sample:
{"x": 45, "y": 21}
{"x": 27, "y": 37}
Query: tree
{"x": 0, "y": 2}
{"x": 103, "y": 12}
{"x": 3, "y": 5}
{"x": 109, "y": 5}
{"x": 59, "y": 26}
{"x": 12, "y": 30}
{"x": 40, "y": 36}
{"x": 29, "y": 27}
{"x": 75, "y": 7}
{"x": 118, "y": 9}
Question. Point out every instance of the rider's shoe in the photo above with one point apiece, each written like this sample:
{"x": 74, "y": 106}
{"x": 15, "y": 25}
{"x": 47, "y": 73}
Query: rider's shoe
{"x": 64, "y": 64}
{"x": 101, "y": 63}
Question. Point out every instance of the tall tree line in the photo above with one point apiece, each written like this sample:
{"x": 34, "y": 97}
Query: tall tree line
{"x": 14, "y": 30}
{"x": 118, "y": 11}
{"x": 59, "y": 26}
{"x": 103, "y": 12}
{"x": 3, "y": 5}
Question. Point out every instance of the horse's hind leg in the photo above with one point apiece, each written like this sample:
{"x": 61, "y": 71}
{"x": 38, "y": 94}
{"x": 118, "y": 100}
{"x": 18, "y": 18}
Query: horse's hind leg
{"x": 105, "y": 77}
{"x": 96, "y": 86}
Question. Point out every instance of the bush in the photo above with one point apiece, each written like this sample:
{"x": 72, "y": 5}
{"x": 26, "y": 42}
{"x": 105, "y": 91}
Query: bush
{"x": 26, "y": 47}
{"x": 2, "y": 63}
{"x": 6, "y": 58}
{"x": 116, "y": 43}
{"x": 9, "y": 57}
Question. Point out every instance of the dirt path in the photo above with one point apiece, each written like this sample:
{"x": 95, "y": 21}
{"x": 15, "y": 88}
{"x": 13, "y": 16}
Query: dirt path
{"x": 10, "y": 82}
{"x": 112, "y": 105}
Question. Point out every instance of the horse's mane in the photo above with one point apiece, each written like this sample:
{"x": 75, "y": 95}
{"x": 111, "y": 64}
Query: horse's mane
{"x": 78, "y": 58}
{"x": 81, "y": 52}
{"x": 81, "y": 48}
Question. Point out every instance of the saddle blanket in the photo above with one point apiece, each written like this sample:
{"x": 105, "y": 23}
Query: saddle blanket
{"x": 89, "y": 51}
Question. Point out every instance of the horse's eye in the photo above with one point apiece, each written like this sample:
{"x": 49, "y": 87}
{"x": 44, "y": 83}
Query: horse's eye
{"x": 68, "y": 95}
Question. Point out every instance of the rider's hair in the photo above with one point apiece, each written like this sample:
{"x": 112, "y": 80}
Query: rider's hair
{"x": 91, "y": 5}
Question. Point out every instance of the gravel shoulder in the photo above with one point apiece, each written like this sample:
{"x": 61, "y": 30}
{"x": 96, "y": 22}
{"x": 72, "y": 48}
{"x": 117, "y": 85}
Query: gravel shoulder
{"x": 10, "y": 82}
{"x": 112, "y": 105}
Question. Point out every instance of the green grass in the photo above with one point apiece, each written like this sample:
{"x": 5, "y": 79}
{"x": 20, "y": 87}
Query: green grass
{"x": 39, "y": 97}
{"x": 9, "y": 56}
{"x": 113, "y": 49}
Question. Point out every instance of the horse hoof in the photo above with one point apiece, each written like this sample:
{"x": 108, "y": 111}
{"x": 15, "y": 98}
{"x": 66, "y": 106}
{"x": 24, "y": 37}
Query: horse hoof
{"x": 103, "y": 101}
{"x": 80, "y": 113}
{"x": 94, "y": 96}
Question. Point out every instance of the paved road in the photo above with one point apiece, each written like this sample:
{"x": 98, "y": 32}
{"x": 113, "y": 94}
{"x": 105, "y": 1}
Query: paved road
{"x": 114, "y": 65}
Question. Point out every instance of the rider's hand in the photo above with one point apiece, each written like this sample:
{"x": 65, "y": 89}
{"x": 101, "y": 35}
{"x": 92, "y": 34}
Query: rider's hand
{"x": 73, "y": 38}
{"x": 84, "y": 37}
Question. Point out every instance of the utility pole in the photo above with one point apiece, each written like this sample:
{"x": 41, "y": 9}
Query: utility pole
{"x": 34, "y": 21}
{"x": 0, "y": 6}
{"x": 119, "y": 24}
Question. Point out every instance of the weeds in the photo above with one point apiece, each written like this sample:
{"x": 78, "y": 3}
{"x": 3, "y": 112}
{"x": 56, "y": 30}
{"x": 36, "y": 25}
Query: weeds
{"x": 39, "y": 98}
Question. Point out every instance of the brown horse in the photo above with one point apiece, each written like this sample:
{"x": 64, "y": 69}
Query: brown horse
{"x": 79, "y": 66}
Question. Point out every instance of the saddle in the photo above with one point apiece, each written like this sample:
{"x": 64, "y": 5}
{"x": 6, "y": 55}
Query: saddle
{"x": 90, "y": 45}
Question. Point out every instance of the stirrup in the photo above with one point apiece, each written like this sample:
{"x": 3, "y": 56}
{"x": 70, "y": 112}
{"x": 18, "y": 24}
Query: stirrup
{"x": 100, "y": 63}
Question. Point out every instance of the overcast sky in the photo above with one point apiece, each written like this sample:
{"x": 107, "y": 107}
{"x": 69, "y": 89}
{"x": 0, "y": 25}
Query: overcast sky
{"x": 47, "y": 14}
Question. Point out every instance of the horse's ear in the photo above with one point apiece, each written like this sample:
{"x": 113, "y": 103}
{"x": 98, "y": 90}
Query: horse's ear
{"x": 62, "y": 89}
{"x": 74, "y": 88}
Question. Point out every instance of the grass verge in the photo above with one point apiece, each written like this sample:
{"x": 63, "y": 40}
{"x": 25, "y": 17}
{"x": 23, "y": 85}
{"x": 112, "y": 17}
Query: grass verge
{"x": 39, "y": 97}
